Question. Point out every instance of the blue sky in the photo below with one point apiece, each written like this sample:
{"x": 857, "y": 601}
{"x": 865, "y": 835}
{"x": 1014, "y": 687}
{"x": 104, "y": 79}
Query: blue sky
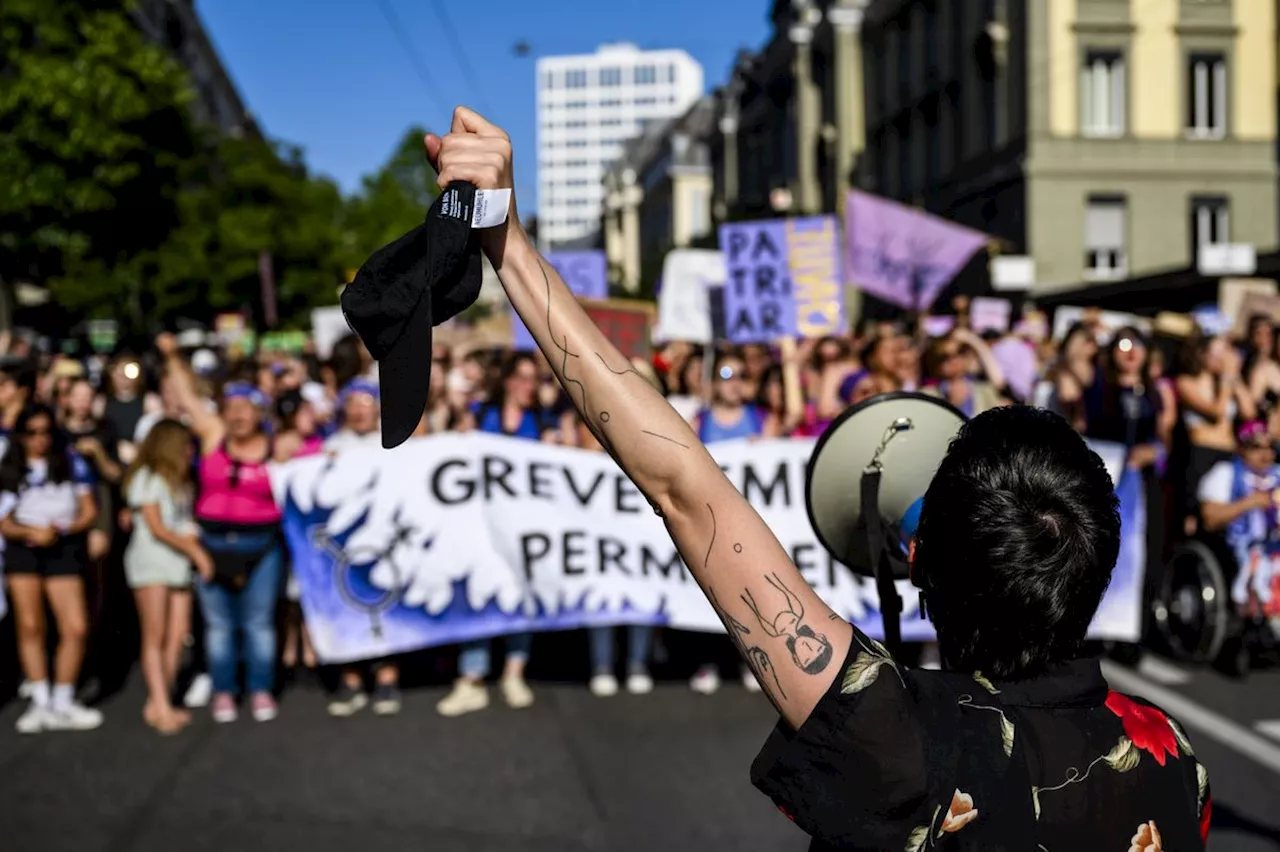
{"x": 330, "y": 75}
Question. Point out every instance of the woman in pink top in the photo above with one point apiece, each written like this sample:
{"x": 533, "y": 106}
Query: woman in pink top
{"x": 240, "y": 528}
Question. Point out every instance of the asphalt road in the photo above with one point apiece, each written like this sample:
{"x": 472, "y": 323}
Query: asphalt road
{"x": 662, "y": 772}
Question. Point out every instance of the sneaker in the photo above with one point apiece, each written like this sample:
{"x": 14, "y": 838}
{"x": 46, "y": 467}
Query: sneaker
{"x": 199, "y": 692}
{"x": 639, "y": 683}
{"x": 32, "y": 721}
{"x": 467, "y": 696}
{"x": 749, "y": 681}
{"x": 72, "y": 717}
{"x": 604, "y": 686}
{"x": 347, "y": 701}
{"x": 224, "y": 708}
{"x": 264, "y": 707}
{"x": 705, "y": 681}
{"x": 517, "y": 693}
{"x": 386, "y": 699}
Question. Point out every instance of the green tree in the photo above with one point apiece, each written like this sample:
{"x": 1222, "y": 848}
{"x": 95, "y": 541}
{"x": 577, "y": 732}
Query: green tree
{"x": 391, "y": 201}
{"x": 240, "y": 197}
{"x": 93, "y": 131}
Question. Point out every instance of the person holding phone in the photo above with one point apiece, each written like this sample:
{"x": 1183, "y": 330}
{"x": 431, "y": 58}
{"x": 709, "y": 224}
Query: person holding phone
{"x": 1018, "y": 535}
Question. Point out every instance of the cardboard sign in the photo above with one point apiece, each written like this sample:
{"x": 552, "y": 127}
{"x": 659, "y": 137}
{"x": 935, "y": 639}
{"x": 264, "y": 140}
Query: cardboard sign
{"x": 625, "y": 324}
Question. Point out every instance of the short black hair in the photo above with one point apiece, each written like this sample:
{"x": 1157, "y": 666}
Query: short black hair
{"x": 1019, "y": 533}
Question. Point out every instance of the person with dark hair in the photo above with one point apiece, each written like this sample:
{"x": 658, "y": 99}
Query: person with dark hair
{"x": 47, "y": 506}
{"x": 18, "y": 379}
{"x": 1213, "y": 398}
{"x": 1019, "y": 743}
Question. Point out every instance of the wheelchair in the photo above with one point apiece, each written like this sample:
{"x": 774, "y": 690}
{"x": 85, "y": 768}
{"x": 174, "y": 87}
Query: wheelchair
{"x": 1195, "y": 617}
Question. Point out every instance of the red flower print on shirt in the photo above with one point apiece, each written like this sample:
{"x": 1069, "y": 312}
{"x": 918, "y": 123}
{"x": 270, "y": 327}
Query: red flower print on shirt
{"x": 1147, "y": 727}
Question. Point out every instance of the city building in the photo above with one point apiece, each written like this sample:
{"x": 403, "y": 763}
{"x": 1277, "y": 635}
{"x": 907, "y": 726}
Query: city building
{"x": 790, "y": 116}
{"x": 589, "y": 107}
{"x": 1103, "y": 138}
{"x": 658, "y": 195}
{"x": 176, "y": 26}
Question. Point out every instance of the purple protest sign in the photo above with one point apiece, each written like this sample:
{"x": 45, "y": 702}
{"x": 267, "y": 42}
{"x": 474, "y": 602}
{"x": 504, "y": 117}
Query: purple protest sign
{"x": 759, "y": 305}
{"x": 587, "y": 275}
{"x": 903, "y": 255}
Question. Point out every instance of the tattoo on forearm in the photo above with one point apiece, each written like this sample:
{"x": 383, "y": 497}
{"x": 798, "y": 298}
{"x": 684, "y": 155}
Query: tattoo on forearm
{"x": 757, "y": 657}
{"x": 593, "y": 419}
{"x": 810, "y": 650}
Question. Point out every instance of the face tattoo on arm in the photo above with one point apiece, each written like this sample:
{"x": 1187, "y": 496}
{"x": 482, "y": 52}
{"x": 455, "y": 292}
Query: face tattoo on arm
{"x": 658, "y": 451}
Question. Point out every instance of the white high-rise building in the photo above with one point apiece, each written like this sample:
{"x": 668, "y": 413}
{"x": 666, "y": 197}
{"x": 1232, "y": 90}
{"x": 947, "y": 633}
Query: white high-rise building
{"x": 588, "y": 107}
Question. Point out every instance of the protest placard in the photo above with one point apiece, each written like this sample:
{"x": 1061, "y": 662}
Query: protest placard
{"x": 684, "y": 312}
{"x": 758, "y": 300}
{"x": 817, "y": 275}
{"x": 990, "y": 314}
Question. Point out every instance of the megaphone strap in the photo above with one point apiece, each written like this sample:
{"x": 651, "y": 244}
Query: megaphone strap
{"x": 890, "y": 600}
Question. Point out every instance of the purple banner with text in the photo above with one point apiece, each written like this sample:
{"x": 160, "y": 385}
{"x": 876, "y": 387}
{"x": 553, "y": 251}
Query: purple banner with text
{"x": 903, "y": 255}
{"x": 759, "y": 306}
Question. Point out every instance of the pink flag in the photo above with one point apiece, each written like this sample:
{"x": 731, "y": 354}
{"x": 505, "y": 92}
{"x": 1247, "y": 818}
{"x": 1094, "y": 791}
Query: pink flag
{"x": 903, "y": 255}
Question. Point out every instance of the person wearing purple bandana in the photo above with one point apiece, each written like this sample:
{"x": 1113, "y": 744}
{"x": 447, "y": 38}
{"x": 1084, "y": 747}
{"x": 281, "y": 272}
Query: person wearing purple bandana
{"x": 358, "y": 405}
{"x": 1239, "y": 497}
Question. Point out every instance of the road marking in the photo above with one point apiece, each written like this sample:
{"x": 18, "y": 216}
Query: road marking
{"x": 1270, "y": 727}
{"x": 1162, "y": 671}
{"x": 1230, "y": 734}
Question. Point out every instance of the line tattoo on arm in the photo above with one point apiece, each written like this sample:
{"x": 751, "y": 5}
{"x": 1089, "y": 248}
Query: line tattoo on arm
{"x": 810, "y": 650}
{"x": 757, "y": 657}
{"x": 593, "y": 419}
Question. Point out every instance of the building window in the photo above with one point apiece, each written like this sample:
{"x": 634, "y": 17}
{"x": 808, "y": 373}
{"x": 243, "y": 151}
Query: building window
{"x": 1210, "y": 223}
{"x": 1207, "y": 97}
{"x": 1104, "y": 229}
{"x": 575, "y": 105}
{"x": 1102, "y": 94}
{"x": 646, "y": 101}
{"x": 646, "y": 75}
{"x": 549, "y": 80}
{"x": 610, "y": 102}
{"x": 610, "y": 76}
{"x": 671, "y": 73}
{"x": 575, "y": 79}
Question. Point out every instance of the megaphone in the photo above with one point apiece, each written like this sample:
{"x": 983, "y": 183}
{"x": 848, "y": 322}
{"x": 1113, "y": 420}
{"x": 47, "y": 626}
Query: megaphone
{"x": 868, "y": 472}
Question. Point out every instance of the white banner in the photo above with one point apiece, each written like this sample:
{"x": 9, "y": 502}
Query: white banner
{"x": 462, "y": 536}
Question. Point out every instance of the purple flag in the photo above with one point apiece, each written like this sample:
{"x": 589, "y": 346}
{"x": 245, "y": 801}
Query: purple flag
{"x": 759, "y": 305}
{"x": 587, "y": 275}
{"x": 903, "y": 255}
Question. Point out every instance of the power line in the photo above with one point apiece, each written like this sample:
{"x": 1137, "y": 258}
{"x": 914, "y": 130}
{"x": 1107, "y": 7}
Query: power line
{"x": 455, "y": 46}
{"x": 393, "y": 21}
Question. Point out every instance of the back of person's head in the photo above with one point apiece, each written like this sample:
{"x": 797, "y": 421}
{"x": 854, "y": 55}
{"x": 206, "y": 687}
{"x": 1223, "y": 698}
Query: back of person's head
{"x": 1018, "y": 536}
{"x": 345, "y": 360}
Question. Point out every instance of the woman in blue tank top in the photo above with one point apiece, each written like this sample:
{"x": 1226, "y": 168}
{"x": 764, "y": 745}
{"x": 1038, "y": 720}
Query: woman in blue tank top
{"x": 730, "y": 415}
{"x": 512, "y": 409}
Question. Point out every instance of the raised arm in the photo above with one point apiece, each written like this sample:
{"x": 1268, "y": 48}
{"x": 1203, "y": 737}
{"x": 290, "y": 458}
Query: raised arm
{"x": 730, "y": 551}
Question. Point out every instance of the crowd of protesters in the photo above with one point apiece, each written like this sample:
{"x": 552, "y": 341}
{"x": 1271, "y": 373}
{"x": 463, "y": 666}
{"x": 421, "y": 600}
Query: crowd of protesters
{"x": 155, "y": 464}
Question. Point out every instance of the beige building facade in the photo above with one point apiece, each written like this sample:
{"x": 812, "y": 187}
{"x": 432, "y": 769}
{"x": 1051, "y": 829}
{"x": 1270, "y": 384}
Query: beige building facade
{"x": 1104, "y": 138}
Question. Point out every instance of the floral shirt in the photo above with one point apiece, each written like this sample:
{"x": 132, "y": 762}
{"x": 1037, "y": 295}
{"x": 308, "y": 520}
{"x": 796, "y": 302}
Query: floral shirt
{"x": 910, "y": 760}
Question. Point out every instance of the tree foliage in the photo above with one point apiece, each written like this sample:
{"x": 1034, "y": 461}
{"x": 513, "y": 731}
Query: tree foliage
{"x": 112, "y": 197}
{"x": 93, "y": 130}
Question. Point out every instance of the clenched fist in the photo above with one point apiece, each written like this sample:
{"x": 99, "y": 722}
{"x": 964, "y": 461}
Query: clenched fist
{"x": 474, "y": 151}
